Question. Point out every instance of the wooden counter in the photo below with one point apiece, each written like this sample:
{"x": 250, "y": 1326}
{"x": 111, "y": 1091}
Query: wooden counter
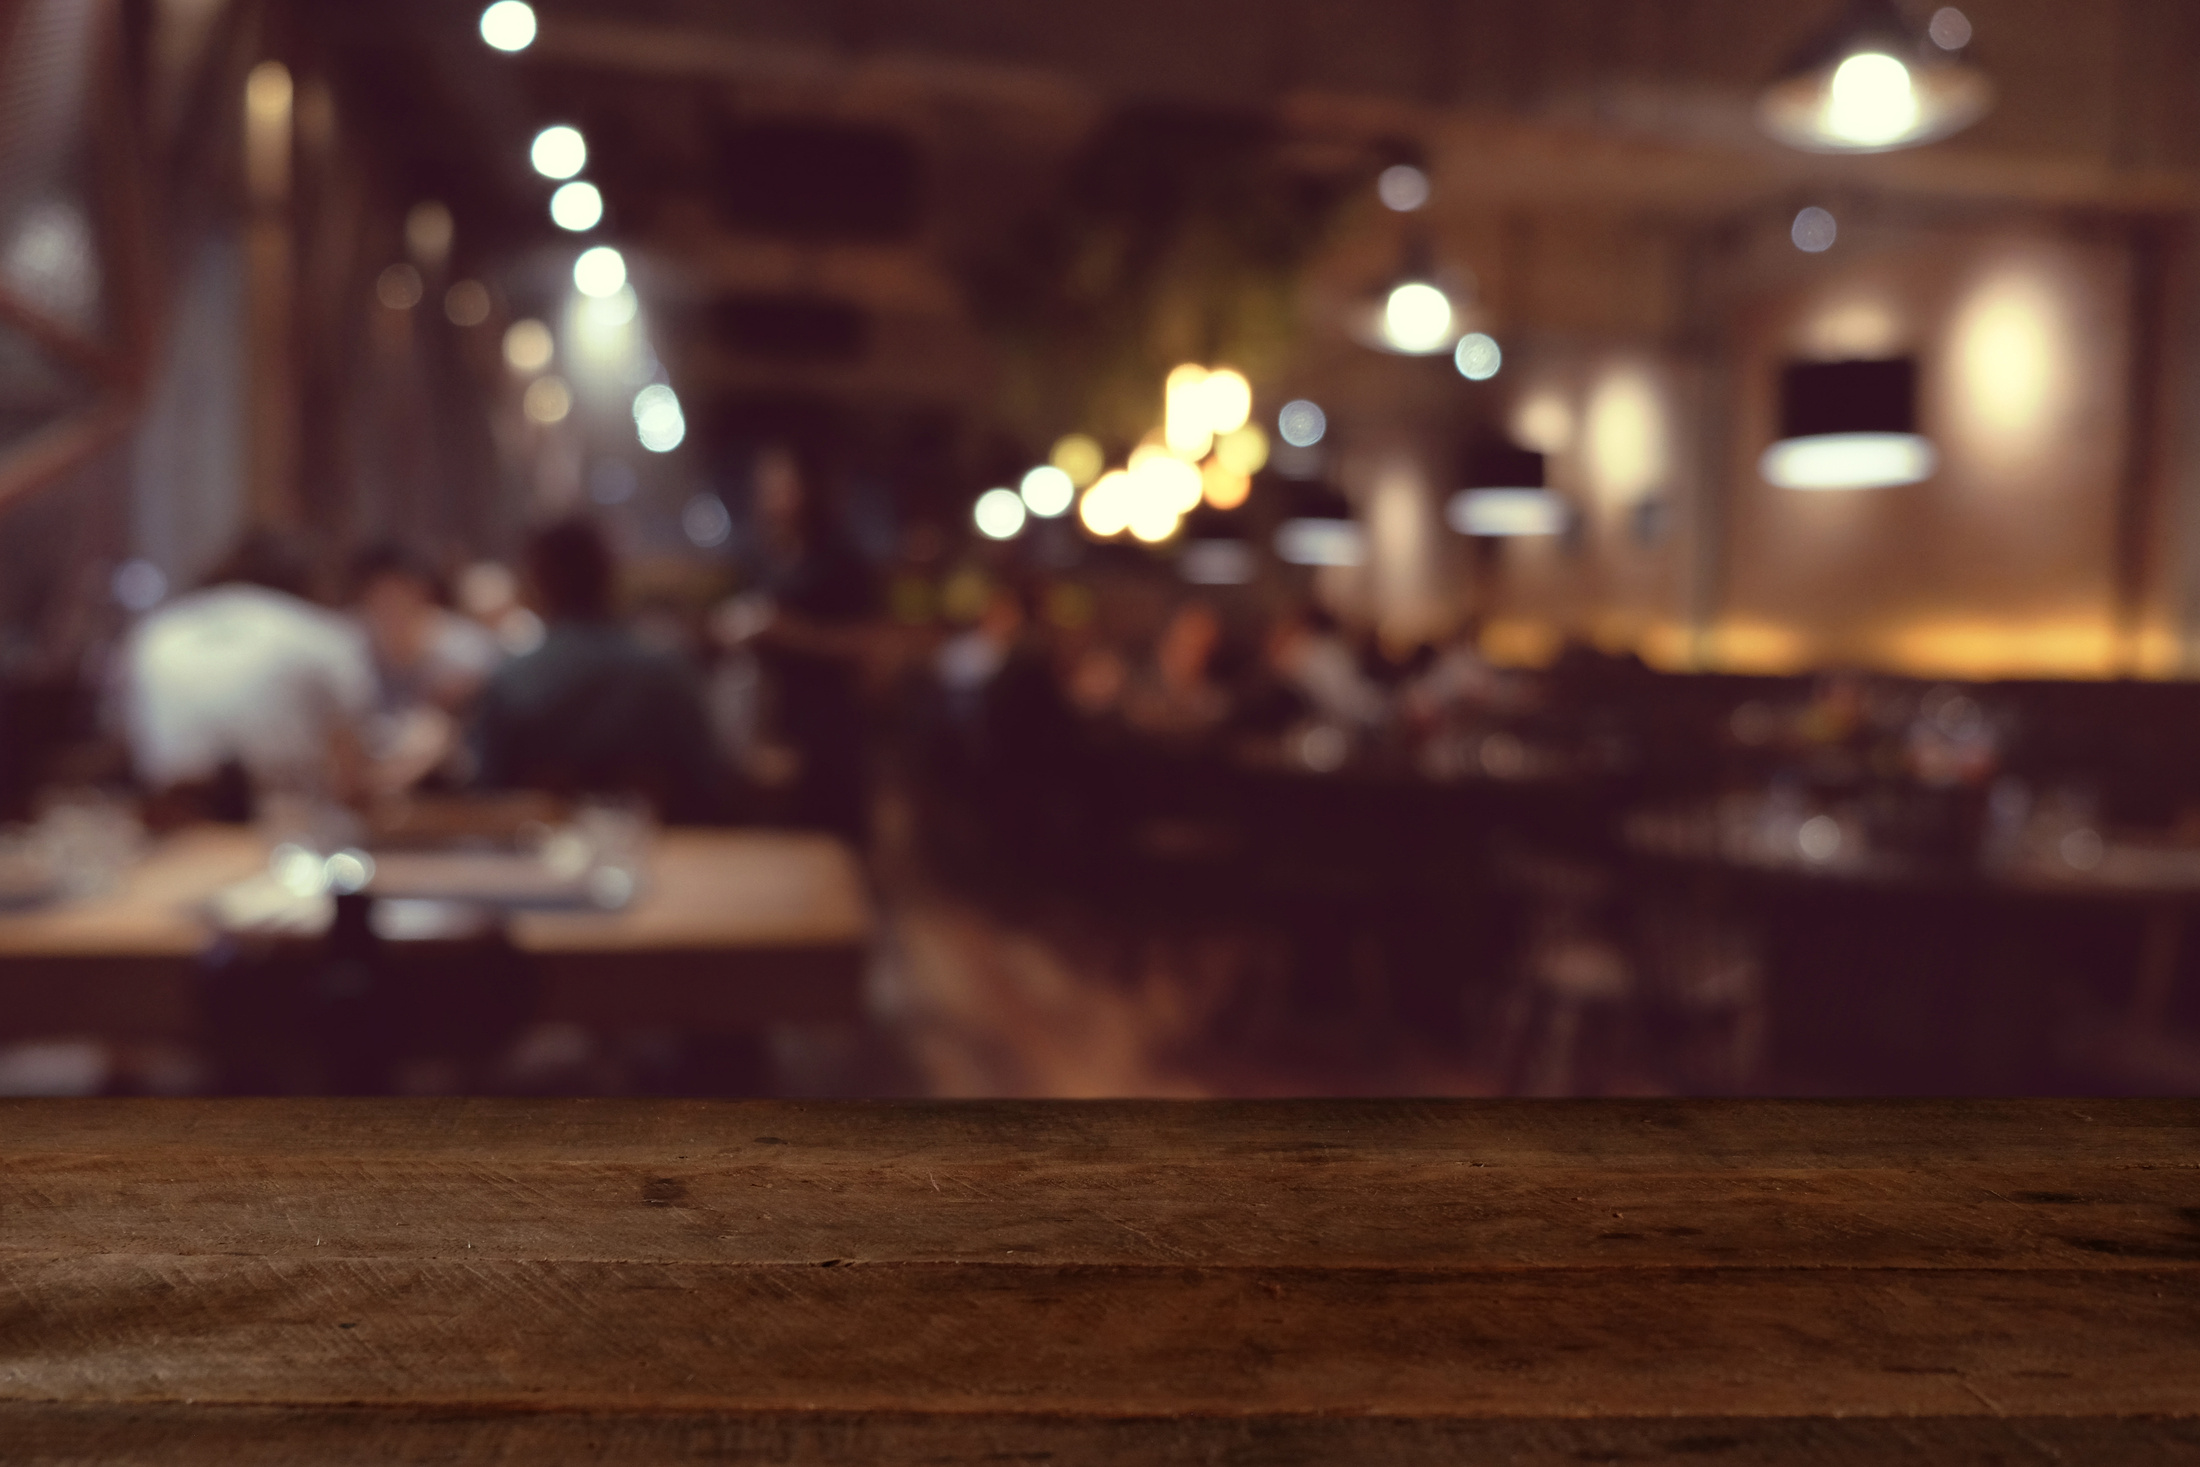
{"x": 1377, "y": 1282}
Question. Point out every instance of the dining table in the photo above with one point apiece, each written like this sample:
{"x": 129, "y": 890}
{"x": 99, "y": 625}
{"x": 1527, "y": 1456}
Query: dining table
{"x": 724, "y": 929}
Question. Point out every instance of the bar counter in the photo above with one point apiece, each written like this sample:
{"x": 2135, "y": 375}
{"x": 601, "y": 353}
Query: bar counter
{"x": 1402, "y": 1282}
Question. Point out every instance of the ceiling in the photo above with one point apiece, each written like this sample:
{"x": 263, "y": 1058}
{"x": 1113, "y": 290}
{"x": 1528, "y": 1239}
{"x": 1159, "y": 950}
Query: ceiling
{"x": 1604, "y": 130}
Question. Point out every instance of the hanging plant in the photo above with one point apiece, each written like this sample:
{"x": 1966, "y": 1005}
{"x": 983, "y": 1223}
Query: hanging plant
{"x": 1177, "y": 236}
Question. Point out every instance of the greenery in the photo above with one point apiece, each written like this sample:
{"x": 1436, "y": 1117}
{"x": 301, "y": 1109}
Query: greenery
{"x": 1178, "y": 236}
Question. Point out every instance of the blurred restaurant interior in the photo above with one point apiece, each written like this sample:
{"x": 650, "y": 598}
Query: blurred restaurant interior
{"x": 1523, "y": 547}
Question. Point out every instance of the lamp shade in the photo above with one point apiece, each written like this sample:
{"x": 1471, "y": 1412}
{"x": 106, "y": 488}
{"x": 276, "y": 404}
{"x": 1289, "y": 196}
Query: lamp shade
{"x": 1505, "y": 496}
{"x": 1848, "y": 397}
{"x": 1872, "y": 83}
{"x": 1848, "y": 425}
{"x": 1321, "y": 529}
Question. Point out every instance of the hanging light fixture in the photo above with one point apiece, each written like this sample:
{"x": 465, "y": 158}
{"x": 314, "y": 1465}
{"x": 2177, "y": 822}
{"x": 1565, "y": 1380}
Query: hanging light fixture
{"x": 1849, "y": 425}
{"x": 1874, "y": 83}
{"x": 1505, "y": 496}
{"x": 1217, "y": 551}
{"x": 1321, "y": 530}
{"x": 1419, "y": 311}
{"x": 1416, "y": 313}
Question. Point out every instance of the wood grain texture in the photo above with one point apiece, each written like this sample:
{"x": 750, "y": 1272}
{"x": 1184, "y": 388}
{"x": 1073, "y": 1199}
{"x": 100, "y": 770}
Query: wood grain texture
{"x": 1299, "y": 1282}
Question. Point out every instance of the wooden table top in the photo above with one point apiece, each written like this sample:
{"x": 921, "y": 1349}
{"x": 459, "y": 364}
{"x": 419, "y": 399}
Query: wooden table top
{"x": 1393, "y": 1282}
{"x": 706, "y": 890}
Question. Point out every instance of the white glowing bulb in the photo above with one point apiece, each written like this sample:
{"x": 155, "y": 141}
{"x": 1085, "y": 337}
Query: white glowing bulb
{"x": 1417, "y": 318}
{"x": 1848, "y": 461}
{"x": 658, "y": 421}
{"x": 576, "y": 206}
{"x": 1106, "y": 509}
{"x": 1870, "y": 101}
{"x": 1184, "y": 425}
{"x": 509, "y": 25}
{"x": 600, "y": 271}
{"x": 559, "y": 152}
{"x": 1228, "y": 399}
{"x": 1048, "y": 492}
{"x": 1151, "y": 522}
{"x": 1164, "y": 481}
{"x": 999, "y": 514}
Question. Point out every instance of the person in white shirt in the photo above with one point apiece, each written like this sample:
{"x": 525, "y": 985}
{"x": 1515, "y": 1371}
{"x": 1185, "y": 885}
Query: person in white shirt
{"x": 430, "y": 664}
{"x": 247, "y": 672}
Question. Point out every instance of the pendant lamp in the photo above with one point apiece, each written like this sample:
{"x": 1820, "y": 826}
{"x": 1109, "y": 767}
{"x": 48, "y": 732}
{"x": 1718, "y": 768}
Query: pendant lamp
{"x": 1321, "y": 530}
{"x": 1849, "y": 425}
{"x": 1505, "y": 496}
{"x": 1874, "y": 83}
{"x": 1420, "y": 311}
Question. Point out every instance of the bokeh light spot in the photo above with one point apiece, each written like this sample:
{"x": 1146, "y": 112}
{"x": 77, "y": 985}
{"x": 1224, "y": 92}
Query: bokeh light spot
{"x": 999, "y": 514}
{"x": 509, "y": 25}
{"x": 1402, "y": 187}
{"x": 659, "y": 422}
{"x": 1479, "y": 356}
{"x": 559, "y": 152}
{"x": 1814, "y": 231}
{"x": 1048, "y": 492}
{"x": 547, "y": 400}
{"x": 1301, "y": 423}
{"x": 599, "y": 272}
{"x": 466, "y": 303}
{"x": 576, "y": 206}
{"x": 528, "y": 346}
{"x": 399, "y": 287}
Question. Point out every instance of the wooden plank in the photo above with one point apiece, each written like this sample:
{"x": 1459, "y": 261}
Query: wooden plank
{"x": 1738, "y": 1136}
{"x": 778, "y": 1184}
{"x": 340, "y": 1435}
{"x": 1298, "y": 1282}
{"x": 597, "y": 1336}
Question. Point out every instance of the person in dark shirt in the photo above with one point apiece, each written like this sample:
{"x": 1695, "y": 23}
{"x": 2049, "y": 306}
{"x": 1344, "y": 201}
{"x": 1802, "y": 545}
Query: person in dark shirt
{"x": 592, "y": 710}
{"x": 824, "y": 602}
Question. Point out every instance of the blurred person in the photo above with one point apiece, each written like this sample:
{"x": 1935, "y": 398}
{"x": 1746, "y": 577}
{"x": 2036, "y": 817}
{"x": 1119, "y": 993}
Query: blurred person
{"x": 592, "y": 710}
{"x": 430, "y": 663}
{"x": 814, "y": 631}
{"x": 1309, "y": 653}
{"x": 1457, "y": 679}
{"x": 1178, "y": 695}
{"x": 246, "y": 687}
{"x": 489, "y": 593}
{"x": 966, "y": 662}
